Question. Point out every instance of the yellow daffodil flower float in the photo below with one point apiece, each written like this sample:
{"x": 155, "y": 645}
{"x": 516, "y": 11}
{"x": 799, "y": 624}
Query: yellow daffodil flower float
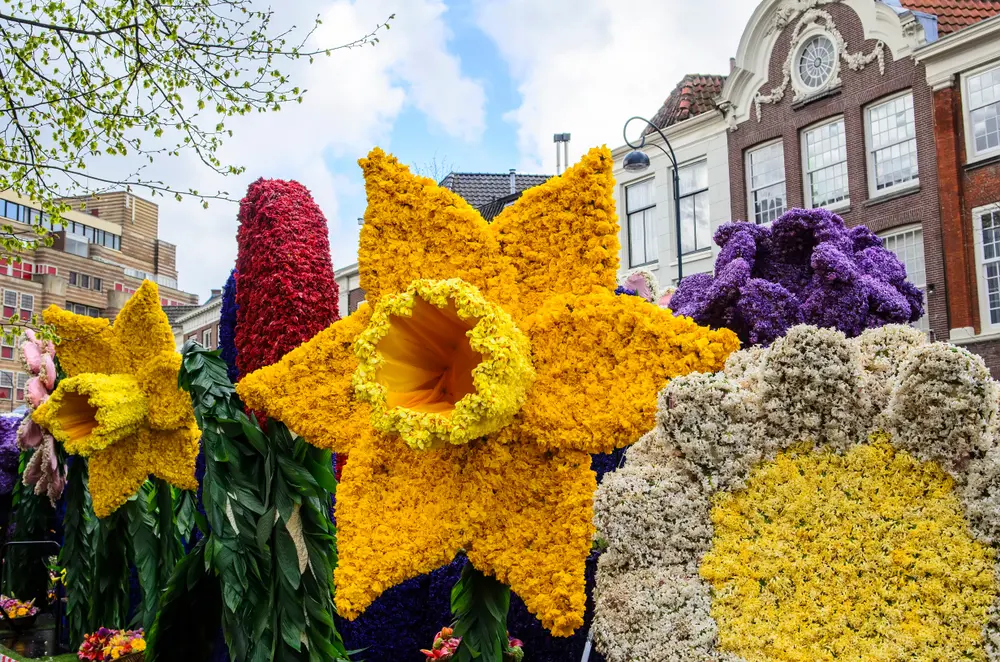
{"x": 120, "y": 404}
{"x": 489, "y": 361}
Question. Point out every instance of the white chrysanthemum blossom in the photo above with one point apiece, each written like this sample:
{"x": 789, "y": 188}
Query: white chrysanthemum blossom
{"x": 934, "y": 401}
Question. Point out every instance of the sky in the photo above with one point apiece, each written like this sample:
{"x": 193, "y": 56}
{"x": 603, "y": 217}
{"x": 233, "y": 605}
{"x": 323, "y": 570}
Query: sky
{"x": 471, "y": 85}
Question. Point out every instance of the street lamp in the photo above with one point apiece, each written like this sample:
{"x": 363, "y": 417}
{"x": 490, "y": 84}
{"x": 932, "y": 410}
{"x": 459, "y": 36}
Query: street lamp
{"x": 638, "y": 161}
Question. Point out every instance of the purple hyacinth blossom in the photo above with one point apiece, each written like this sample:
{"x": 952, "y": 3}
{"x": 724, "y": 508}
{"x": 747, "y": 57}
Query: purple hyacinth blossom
{"x": 806, "y": 268}
{"x": 10, "y": 454}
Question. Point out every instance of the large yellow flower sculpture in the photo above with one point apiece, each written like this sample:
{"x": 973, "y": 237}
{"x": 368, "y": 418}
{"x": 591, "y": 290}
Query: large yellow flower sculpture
{"x": 489, "y": 362}
{"x": 120, "y": 404}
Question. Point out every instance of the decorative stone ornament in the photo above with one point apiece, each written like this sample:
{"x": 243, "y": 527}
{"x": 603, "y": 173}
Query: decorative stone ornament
{"x": 814, "y": 55}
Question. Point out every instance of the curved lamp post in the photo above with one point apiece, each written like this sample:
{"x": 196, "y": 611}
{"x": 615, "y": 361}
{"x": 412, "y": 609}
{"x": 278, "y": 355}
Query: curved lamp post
{"x": 638, "y": 161}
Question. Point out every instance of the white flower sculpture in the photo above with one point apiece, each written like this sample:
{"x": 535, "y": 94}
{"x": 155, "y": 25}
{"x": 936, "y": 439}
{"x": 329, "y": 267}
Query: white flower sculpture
{"x": 821, "y": 499}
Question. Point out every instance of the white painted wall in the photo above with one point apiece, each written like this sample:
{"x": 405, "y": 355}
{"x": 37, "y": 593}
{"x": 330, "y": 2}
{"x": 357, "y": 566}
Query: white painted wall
{"x": 347, "y": 280}
{"x": 700, "y": 137}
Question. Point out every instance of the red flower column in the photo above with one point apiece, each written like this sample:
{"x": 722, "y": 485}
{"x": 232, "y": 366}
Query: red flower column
{"x": 285, "y": 288}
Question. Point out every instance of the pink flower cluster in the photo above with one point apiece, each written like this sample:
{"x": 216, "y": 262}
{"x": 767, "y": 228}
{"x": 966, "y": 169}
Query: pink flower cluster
{"x": 43, "y": 472}
{"x": 446, "y": 645}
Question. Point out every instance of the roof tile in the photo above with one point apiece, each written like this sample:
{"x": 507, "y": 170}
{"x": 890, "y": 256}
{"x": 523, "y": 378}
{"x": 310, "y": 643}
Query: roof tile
{"x": 694, "y": 95}
{"x": 481, "y": 188}
{"x": 953, "y": 15}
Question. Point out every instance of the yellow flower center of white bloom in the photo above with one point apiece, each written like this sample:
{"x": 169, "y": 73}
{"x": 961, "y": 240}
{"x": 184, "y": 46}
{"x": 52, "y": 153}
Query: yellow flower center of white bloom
{"x": 856, "y": 557}
{"x": 441, "y": 364}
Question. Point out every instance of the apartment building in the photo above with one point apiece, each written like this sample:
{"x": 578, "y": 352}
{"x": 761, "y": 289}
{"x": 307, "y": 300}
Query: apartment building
{"x": 108, "y": 245}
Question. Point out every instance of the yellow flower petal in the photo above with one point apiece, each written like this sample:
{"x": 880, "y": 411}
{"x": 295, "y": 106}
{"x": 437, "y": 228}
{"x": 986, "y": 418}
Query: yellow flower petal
{"x": 600, "y": 361}
{"x": 169, "y": 405}
{"x": 174, "y": 454}
{"x": 416, "y": 229}
{"x": 562, "y": 237}
{"x": 92, "y": 411}
{"x": 399, "y": 515}
{"x": 142, "y": 328}
{"x": 522, "y": 514}
{"x": 86, "y": 343}
{"x": 310, "y": 389}
{"x": 117, "y": 472}
{"x": 531, "y": 526}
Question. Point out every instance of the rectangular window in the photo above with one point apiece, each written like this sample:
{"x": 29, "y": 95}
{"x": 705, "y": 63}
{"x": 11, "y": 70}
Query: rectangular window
{"x": 27, "y": 306}
{"x": 9, "y": 303}
{"x": 766, "y": 177}
{"x": 892, "y": 145}
{"x": 987, "y": 221}
{"x": 96, "y": 282}
{"x": 206, "y": 339}
{"x": 22, "y": 382}
{"x": 77, "y": 308}
{"x": 6, "y": 350}
{"x": 85, "y": 281}
{"x": 93, "y": 312}
{"x": 74, "y": 278}
{"x": 825, "y": 154}
{"x": 908, "y": 245}
{"x": 6, "y": 385}
{"x": 639, "y": 208}
{"x": 696, "y": 227}
{"x": 983, "y": 103}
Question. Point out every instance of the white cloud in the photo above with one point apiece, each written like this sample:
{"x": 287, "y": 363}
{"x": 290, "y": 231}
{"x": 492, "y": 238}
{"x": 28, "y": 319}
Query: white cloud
{"x": 586, "y": 66}
{"x": 354, "y": 98}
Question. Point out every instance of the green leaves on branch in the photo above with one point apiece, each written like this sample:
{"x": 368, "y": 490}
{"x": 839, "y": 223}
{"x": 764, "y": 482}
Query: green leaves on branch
{"x": 110, "y": 590}
{"x": 479, "y": 604}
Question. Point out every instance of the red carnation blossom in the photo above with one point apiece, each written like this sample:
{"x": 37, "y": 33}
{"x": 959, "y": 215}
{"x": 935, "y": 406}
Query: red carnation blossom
{"x": 285, "y": 288}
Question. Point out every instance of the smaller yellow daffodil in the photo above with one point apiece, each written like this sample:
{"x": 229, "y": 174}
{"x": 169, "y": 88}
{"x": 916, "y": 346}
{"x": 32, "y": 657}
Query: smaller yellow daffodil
{"x": 120, "y": 404}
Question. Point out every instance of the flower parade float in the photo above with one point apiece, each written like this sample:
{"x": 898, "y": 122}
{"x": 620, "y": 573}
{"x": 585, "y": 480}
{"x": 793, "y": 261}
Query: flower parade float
{"x": 805, "y": 268}
{"x": 824, "y": 498}
{"x": 469, "y": 392}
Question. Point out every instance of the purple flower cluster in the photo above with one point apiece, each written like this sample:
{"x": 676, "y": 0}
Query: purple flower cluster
{"x": 10, "y": 453}
{"x": 807, "y": 268}
{"x": 622, "y": 290}
{"x": 227, "y": 326}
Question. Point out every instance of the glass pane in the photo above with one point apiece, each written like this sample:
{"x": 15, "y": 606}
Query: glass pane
{"x": 650, "y": 228}
{"x": 991, "y": 235}
{"x": 829, "y": 185}
{"x": 817, "y": 61}
{"x": 767, "y": 166}
{"x": 986, "y": 127}
{"x": 688, "y": 242}
{"x": 636, "y": 243}
{"x": 895, "y": 165}
{"x": 769, "y": 203}
{"x": 639, "y": 196}
{"x": 892, "y": 122}
{"x": 702, "y": 220}
{"x": 693, "y": 177}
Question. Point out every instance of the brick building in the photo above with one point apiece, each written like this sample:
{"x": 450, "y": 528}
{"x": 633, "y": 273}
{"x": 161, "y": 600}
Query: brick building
{"x": 108, "y": 246}
{"x": 200, "y": 323}
{"x": 963, "y": 71}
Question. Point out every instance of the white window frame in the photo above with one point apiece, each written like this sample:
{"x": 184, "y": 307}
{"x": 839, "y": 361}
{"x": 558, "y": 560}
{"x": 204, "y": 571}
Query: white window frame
{"x": 628, "y": 221}
{"x": 873, "y": 190}
{"x": 206, "y": 338}
{"x": 971, "y": 156}
{"x": 923, "y": 324}
{"x": 702, "y": 160}
{"x": 804, "y": 153}
{"x": 748, "y": 172}
{"x": 985, "y": 324}
{"x": 8, "y": 375}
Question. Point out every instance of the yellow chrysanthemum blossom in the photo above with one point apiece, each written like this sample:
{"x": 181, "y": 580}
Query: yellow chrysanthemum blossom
{"x": 489, "y": 362}
{"x": 869, "y": 552}
{"x": 120, "y": 404}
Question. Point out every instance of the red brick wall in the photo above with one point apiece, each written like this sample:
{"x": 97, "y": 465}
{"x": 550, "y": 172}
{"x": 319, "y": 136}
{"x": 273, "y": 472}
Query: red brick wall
{"x": 786, "y": 119}
{"x": 963, "y": 187}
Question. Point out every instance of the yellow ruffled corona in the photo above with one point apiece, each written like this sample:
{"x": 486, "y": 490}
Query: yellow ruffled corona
{"x": 120, "y": 404}
{"x": 489, "y": 362}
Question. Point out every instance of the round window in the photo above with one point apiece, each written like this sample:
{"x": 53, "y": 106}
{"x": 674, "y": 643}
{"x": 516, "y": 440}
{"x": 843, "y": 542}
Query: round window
{"x": 817, "y": 60}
